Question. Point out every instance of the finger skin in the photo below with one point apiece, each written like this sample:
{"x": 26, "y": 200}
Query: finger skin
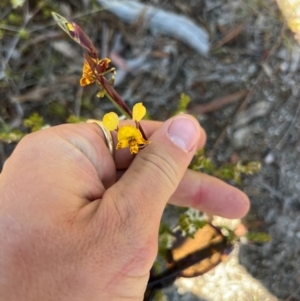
{"x": 211, "y": 195}
{"x": 208, "y": 194}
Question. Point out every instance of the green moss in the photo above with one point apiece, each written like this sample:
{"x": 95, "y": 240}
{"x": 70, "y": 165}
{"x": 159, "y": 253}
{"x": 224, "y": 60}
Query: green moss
{"x": 47, "y": 7}
{"x": 258, "y": 237}
{"x": 191, "y": 221}
{"x": 34, "y": 122}
{"x": 17, "y": 3}
{"x": 75, "y": 119}
{"x": 160, "y": 296}
{"x": 23, "y": 33}
{"x": 11, "y": 136}
{"x": 165, "y": 239}
{"x": 228, "y": 171}
{"x": 183, "y": 103}
{"x": 15, "y": 18}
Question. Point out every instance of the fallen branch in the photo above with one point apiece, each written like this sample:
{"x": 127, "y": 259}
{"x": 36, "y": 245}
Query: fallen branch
{"x": 158, "y": 20}
{"x": 230, "y": 35}
{"x": 218, "y": 103}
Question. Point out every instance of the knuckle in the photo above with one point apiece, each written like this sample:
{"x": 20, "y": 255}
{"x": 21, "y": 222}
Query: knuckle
{"x": 164, "y": 167}
{"x": 122, "y": 208}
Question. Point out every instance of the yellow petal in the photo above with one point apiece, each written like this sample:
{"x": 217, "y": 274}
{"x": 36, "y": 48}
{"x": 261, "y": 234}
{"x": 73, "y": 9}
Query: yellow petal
{"x": 101, "y": 93}
{"x": 130, "y": 136}
{"x": 141, "y": 141}
{"x": 87, "y": 75}
{"x": 138, "y": 112}
{"x": 86, "y": 67}
{"x": 84, "y": 81}
{"x": 128, "y": 132}
{"x": 134, "y": 148}
{"x": 111, "y": 121}
{"x": 122, "y": 144}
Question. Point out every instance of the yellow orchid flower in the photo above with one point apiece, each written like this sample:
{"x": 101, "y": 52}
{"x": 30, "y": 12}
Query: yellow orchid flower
{"x": 102, "y": 68}
{"x": 87, "y": 75}
{"x": 128, "y": 135}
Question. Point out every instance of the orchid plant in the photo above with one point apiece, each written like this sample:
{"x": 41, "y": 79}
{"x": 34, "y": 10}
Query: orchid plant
{"x": 94, "y": 72}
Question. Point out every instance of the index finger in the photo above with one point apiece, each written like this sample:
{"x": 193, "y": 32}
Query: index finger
{"x": 122, "y": 157}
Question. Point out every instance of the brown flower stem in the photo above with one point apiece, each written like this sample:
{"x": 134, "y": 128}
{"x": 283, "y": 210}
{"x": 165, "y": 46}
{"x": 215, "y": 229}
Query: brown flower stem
{"x": 114, "y": 96}
{"x": 111, "y": 93}
{"x": 123, "y": 112}
{"x": 142, "y": 131}
{"x": 79, "y": 36}
{"x": 119, "y": 103}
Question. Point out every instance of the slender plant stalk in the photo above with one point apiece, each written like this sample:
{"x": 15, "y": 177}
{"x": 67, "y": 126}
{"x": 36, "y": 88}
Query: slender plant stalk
{"x": 98, "y": 67}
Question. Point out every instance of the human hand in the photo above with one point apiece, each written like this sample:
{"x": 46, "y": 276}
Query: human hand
{"x": 74, "y": 225}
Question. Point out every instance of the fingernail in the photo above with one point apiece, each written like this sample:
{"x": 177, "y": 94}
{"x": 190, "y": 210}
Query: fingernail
{"x": 184, "y": 132}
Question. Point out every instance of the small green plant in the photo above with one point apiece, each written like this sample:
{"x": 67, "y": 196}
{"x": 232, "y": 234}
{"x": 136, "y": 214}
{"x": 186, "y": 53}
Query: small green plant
{"x": 34, "y": 122}
{"x": 183, "y": 103}
{"x": 228, "y": 171}
{"x": 258, "y": 237}
{"x": 191, "y": 221}
{"x": 9, "y": 136}
{"x": 75, "y": 119}
{"x": 17, "y": 3}
{"x": 160, "y": 296}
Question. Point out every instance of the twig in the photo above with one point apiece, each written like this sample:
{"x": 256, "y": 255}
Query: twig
{"x": 218, "y": 103}
{"x": 230, "y": 35}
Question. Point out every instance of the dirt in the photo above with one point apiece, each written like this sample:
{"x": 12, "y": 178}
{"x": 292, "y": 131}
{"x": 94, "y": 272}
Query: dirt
{"x": 251, "y": 51}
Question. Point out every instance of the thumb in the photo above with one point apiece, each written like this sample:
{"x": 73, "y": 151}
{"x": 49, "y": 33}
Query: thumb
{"x": 157, "y": 170}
